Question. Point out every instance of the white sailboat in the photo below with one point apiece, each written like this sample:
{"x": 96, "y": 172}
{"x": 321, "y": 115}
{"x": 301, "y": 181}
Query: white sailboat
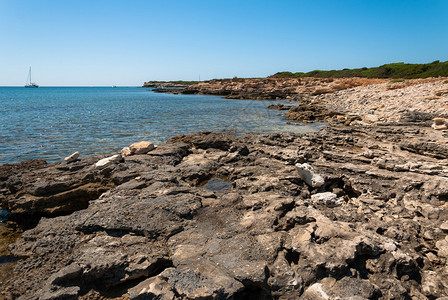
{"x": 30, "y": 84}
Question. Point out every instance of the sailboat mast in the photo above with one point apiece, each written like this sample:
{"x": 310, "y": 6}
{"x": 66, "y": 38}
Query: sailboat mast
{"x": 30, "y": 76}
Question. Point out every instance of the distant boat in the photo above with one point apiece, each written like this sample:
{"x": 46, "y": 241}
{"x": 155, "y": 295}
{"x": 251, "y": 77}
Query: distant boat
{"x": 30, "y": 84}
{"x": 114, "y": 86}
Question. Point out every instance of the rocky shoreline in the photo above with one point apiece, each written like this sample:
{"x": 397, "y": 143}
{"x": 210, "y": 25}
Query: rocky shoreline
{"x": 357, "y": 210}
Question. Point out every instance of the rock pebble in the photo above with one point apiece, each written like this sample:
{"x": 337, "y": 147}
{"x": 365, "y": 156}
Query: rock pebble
{"x": 108, "y": 160}
{"x": 141, "y": 147}
{"x": 309, "y": 175}
{"x": 72, "y": 157}
{"x": 327, "y": 198}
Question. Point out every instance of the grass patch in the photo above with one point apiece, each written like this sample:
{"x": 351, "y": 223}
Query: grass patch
{"x": 394, "y": 70}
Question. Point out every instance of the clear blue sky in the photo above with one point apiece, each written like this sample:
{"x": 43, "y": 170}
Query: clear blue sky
{"x": 110, "y": 42}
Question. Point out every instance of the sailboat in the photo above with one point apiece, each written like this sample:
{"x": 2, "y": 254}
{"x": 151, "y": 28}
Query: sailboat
{"x": 30, "y": 84}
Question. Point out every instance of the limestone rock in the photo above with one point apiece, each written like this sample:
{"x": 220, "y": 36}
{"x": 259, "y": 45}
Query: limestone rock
{"x": 444, "y": 226}
{"x": 108, "y": 160}
{"x": 152, "y": 288}
{"x": 72, "y": 157}
{"x": 369, "y": 118}
{"x": 152, "y": 226}
{"x": 309, "y": 175}
{"x": 442, "y": 245}
{"x": 439, "y": 127}
{"x": 126, "y": 151}
{"x": 141, "y": 147}
{"x": 328, "y": 198}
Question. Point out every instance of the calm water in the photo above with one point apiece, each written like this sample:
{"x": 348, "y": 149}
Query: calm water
{"x": 53, "y": 122}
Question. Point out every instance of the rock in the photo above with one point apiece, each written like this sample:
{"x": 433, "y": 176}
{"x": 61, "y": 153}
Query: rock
{"x": 432, "y": 285}
{"x": 329, "y": 199}
{"x": 141, "y": 147}
{"x": 439, "y": 127}
{"x": 126, "y": 151}
{"x": 440, "y": 121}
{"x": 346, "y": 288}
{"x": 157, "y": 225}
{"x": 66, "y": 274}
{"x": 152, "y": 288}
{"x": 62, "y": 293}
{"x": 279, "y": 107}
{"x": 444, "y": 226}
{"x": 369, "y": 118}
{"x": 108, "y": 160}
{"x": 416, "y": 116}
{"x": 74, "y": 156}
{"x": 442, "y": 245}
{"x": 309, "y": 175}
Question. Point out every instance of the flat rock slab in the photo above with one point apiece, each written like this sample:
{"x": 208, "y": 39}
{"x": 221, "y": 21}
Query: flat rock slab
{"x": 166, "y": 224}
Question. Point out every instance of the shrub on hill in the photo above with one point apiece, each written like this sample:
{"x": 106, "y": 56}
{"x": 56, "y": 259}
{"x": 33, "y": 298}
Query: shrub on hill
{"x": 394, "y": 70}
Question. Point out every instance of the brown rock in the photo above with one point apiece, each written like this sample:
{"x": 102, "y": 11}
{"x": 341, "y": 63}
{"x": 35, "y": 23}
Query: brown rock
{"x": 141, "y": 147}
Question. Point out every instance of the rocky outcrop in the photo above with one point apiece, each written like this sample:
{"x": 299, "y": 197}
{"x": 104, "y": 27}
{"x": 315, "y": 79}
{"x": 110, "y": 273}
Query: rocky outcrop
{"x": 165, "y": 84}
{"x": 412, "y": 100}
{"x": 271, "y": 88}
{"x": 373, "y": 228}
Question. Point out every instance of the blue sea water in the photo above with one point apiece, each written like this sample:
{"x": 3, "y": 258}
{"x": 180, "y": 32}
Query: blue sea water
{"x": 52, "y": 122}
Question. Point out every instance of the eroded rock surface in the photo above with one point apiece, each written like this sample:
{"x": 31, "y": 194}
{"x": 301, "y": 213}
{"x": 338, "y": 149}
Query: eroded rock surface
{"x": 158, "y": 231}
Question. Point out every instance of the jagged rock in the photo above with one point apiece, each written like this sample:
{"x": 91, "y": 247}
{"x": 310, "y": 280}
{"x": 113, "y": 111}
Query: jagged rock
{"x": 309, "y": 175}
{"x": 72, "y": 157}
{"x": 152, "y": 226}
{"x": 346, "y": 288}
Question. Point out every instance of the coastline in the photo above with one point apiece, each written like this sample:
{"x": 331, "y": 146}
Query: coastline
{"x": 150, "y": 225}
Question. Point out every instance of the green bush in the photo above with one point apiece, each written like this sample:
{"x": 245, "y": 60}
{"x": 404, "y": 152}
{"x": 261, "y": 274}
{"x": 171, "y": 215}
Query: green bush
{"x": 394, "y": 70}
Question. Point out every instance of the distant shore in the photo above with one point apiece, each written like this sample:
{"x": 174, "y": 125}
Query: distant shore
{"x": 334, "y": 99}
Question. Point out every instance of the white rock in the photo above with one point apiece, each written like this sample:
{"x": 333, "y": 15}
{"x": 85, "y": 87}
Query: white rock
{"x": 444, "y": 226}
{"x": 315, "y": 292}
{"x": 309, "y": 175}
{"x": 369, "y": 118}
{"x": 108, "y": 160}
{"x": 126, "y": 151}
{"x": 72, "y": 157}
{"x": 442, "y": 245}
{"x": 327, "y": 198}
{"x": 439, "y": 127}
{"x": 141, "y": 147}
{"x": 389, "y": 246}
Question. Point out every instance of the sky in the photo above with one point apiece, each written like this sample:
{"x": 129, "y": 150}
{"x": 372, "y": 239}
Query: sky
{"x": 125, "y": 43}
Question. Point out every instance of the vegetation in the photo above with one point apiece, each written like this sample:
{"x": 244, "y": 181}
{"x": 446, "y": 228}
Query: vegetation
{"x": 395, "y": 70}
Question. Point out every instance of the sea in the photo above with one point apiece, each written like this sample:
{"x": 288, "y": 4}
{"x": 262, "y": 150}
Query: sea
{"x": 51, "y": 123}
